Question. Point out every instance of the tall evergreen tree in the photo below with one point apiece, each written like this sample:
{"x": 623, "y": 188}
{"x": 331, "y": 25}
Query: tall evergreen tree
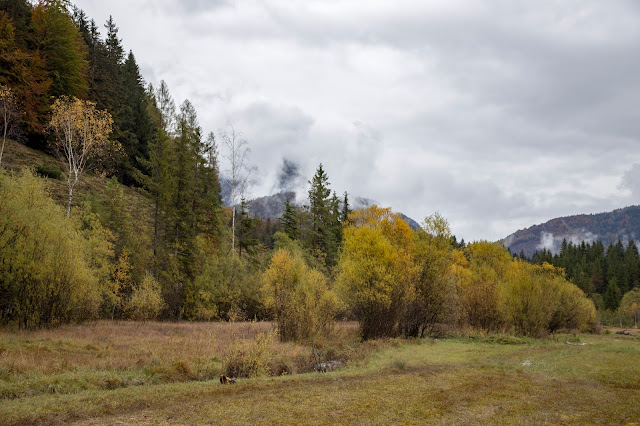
{"x": 325, "y": 231}
{"x": 319, "y": 194}
{"x": 63, "y": 48}
{"x": 135, "y": 125}
{"x": 246, "y": 239}
{"x": 288, "y": 221}
{"x": 632, "y": 265}
{"x": 344, "y": 213}
{"x": 612, "y": 296}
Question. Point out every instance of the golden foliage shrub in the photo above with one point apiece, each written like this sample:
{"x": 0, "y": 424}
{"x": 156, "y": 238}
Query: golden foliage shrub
{"x": 500, "y": 293}
{"x": 45, "y": 278}
{"x": 299, "y": 297}
{"x": 146, "y": 300}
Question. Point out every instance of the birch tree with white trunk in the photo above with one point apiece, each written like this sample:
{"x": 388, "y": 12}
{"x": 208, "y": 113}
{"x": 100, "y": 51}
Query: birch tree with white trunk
{"x": 82, "y": 135}
{"x": 8, "y": 114}
{"x": 236, "y": 152}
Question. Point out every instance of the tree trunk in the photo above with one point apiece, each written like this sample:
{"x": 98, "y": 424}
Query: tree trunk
{"x": 233, "y": 230}
{"x": 69, "y": 201}
{"x": 4, "y": 137}
{"x": 155, "y": 229}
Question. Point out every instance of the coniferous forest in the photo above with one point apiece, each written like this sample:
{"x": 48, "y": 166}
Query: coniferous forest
{"x": 611, "y": 275}
{"x": 69, "y": 88}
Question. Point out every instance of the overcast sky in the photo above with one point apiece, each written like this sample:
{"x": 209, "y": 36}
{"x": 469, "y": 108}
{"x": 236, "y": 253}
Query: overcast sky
{"x": 498, "y": 114}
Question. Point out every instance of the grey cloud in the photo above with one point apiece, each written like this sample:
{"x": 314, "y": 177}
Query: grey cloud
{"x": 553, "y": 243}
{"x": 188, "y": 7}
{"x": 498, "y": 114}
{"x": 289, "y": 178}
{"x": 631, "y": 181}
{"x": 273, "y": 132}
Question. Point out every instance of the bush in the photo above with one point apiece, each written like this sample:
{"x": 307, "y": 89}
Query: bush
{"x": 299, "y": 297}
{"x": 227, "y": 286}
{"x": 433, "y": 301}
{"x": 376, "y": 271}
{"x": 45, "y": 278}
{"x": 146, "y": 300}
{"x": 249, "y": 358}
{"x": 48, "y": 171}
{"x": 630, "y": 306}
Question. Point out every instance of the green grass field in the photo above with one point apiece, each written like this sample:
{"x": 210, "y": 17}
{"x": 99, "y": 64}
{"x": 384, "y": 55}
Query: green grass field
{"x": 159, "y": 373}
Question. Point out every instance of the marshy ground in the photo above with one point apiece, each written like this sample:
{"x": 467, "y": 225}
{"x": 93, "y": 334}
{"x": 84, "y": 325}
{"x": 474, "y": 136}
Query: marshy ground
{"x": 159, "y": 373}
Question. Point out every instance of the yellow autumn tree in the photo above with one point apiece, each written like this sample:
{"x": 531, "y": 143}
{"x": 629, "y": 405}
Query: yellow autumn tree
{"x": 537, "y": 300}
{"x": 499, "y": 293}
{"x": 45, "y": 274}
{"x": 82, "y": 135}
{"x": 146, "y": 301}
{"x": 630, "y": 305}
{"x": 8, "y": 114}
{"x": 432, "y": 302}
{"x": 479, "y": 285}
{"x": 298, "y": 296}
{"x": 376, "y": 270}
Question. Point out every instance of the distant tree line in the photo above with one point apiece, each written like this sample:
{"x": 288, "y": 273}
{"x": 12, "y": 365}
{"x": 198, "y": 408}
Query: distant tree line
{"x": 606, "y": 273}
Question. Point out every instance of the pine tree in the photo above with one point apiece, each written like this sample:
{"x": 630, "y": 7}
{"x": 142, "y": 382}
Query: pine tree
{"x": 135, "y": 125}
{"x": 319, "y": 209}
{"x": 210, "y": 200}
{"x": 632, "y": 265}
{"x": 344, "y": 213}
{"x": 246, "y": 240}
{"x": 335, "y": 229}
{"x": 612, "y": 296}
{"x": 159, "y": 180}
{"x": 288, "y": 221}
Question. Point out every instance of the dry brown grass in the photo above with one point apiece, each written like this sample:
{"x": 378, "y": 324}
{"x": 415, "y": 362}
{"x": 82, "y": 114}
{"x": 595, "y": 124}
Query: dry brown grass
{"x": 109, "y": 355}
{"x": 450, "y": 381}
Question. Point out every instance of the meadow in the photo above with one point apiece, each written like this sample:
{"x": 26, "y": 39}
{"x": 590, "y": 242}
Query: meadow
{"x": 158, "y": 373}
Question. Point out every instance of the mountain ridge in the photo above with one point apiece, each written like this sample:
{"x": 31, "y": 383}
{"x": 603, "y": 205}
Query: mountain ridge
{"x": 607, "y": 227}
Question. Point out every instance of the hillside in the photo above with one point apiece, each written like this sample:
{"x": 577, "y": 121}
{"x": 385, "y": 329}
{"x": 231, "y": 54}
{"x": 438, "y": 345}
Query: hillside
{"x": 18, "y": 156}
{"x": 622, "y": 224}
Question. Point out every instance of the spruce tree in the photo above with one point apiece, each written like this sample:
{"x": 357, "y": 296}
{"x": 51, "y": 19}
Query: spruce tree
{"x": 135, "y": 125}
{"x": 319, "y": 208}
{"x": 246, "y": 239}
{"x": 632, "y": 265}
{"x": 344, "y": 213}
{"x": 612, "y": 296}
{"x": 288, "y": 221}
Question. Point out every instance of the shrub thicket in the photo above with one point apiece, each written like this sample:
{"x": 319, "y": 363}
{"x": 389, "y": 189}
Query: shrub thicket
{"x": 45, "y": 277}
{"x": 397, "y": 282}
{"x": 299, "y": 296}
